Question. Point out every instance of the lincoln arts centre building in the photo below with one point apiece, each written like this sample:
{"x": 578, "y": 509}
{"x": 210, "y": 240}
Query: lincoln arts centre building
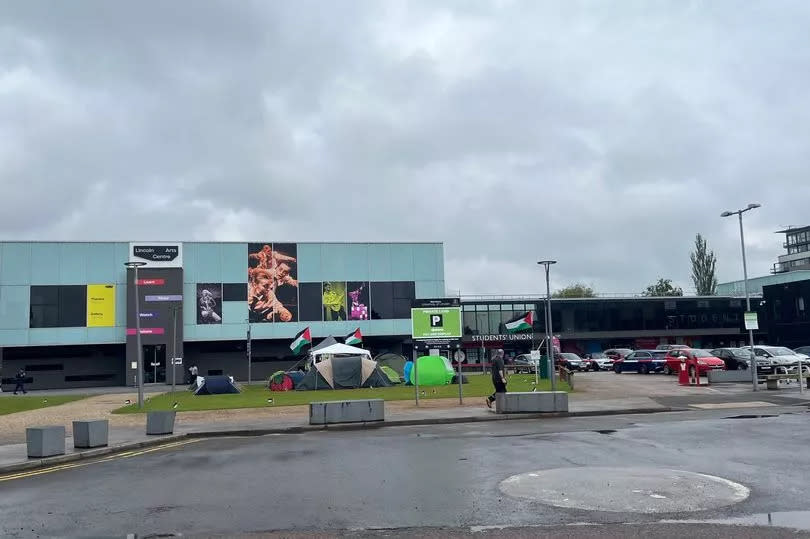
{"x": 69, "y": 311}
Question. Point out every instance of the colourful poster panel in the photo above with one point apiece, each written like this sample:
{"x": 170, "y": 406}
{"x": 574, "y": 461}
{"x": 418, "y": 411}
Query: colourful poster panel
{"x": 334, "y": 301}
{"x": 273, "y": 282}
{"x": 357, "y": 300}
{"x": 100, "y": 305}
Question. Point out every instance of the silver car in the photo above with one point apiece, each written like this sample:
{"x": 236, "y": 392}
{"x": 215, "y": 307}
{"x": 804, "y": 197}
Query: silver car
{"x": 780, "y": 358}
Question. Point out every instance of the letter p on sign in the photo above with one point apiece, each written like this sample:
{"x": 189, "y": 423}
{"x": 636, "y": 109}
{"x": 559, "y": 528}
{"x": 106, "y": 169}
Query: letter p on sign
{"x": 436, "y": 321}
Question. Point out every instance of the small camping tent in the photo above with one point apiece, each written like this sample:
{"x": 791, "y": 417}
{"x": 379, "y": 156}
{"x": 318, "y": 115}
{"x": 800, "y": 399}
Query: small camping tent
{"x": 329, "y": 341}
{"x": 433, "y": 371}
{"x": 281, "y": 381}
{"x": 395, "y": 361}
{"x": 391, "y": 374}
{"x": 344, "y": 372}
{"x": 215, "y": 385}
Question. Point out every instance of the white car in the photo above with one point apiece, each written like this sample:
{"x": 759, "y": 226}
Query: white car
{"x": 780, "y": 358}
{"x": 600, "y": 362}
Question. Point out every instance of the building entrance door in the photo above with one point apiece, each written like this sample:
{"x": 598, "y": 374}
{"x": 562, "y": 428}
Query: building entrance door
{"x": 154, "y": 364}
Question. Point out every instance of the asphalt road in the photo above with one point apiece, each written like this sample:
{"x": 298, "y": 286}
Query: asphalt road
{"x": 419, "y": 479}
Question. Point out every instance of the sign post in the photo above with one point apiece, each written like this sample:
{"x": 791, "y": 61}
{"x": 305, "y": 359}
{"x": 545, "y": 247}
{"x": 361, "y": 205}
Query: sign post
{"x": 248, "y": 351}
{"x": 435, "y": 323}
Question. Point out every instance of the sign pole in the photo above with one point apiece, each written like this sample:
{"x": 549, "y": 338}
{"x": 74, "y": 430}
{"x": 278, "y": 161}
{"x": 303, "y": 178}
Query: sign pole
{"x": 460, "y": 381}
{"x": 174, "y": 345}
{"x": 415, "y": 374}
{"x": 249, "y": 353}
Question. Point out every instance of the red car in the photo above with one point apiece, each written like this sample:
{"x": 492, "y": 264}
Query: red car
{"x": 704, "y": 360}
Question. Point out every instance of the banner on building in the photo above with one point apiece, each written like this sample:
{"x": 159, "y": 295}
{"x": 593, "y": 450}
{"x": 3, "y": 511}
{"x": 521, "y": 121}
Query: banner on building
{"x": 100, "y": 305}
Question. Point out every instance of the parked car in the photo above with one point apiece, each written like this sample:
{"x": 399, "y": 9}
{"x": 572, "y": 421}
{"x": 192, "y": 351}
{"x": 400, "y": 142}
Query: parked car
{"x": 671, "y": 347}
{"x": 618, "y": 353}
{"x": 524, "y": 363}
{"x": 642, "y": 362}
{"x": 803, "y": 350}
{"x": 571, "y": 361}
{"x": 599, "y": 361}
{"x": 705, "y": 361}
{"x": 779, "y": 357}
{"x": 736, "y": 359}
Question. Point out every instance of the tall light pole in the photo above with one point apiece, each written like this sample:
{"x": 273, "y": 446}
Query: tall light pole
{"x": 549, "y": 345}
{"x": 739, "y": 213}
{"x": 135, "y": 266}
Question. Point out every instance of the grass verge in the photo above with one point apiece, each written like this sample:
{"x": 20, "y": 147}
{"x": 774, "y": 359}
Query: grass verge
{"x": 10, "y": 404}
{"x": 260, "y": 397}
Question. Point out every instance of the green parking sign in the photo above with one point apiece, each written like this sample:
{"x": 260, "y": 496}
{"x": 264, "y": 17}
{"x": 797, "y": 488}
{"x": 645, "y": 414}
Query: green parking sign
{"x": 436, "y": 322}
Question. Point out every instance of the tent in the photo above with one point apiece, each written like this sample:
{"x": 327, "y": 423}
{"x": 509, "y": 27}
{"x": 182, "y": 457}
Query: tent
{"x": 391, "y": 374}
{"x": 433, "y": 371}
{"x": 394, "y": 361}
{"x": 406, "y": 372}
{"x": 329, "y": 341}
{"x": 215, "y": 385}
{"x": 344, "y": 372}
{"x": 340, "y": 349}
{"x": 281, "y": 381}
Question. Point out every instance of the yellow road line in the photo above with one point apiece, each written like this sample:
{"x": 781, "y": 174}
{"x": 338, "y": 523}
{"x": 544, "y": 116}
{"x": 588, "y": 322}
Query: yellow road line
{"x": 67, "y": 466}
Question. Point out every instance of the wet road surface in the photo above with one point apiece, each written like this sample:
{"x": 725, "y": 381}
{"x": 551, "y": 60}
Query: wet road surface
{"x": 424, "y": 477}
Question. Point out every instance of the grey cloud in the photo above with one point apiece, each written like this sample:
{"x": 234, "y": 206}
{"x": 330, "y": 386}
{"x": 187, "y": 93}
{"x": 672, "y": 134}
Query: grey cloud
{"x": 603, "y": 135}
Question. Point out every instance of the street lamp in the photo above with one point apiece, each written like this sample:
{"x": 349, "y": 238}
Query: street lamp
{"x": 745, "y": 279}
{"x": 135, "y": 266}
{"x": 549, "y": 345}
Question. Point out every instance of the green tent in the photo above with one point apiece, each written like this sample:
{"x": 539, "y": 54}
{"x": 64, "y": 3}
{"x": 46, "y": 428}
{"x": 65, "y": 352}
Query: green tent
{"x": 391, "y": 374}
{"x": 433, "y": 371}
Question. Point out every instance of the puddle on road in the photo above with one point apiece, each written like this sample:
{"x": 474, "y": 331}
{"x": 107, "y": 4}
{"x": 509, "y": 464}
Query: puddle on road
{"x": 750, "y": 416}
{"x": 798, "y": 520}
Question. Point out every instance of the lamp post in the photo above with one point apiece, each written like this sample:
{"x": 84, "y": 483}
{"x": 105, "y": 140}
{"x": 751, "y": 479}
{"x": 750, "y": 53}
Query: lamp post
{"x": 739, "y": 213}
{"x": 549, "y": 345}
{"x": 135, "y": 266}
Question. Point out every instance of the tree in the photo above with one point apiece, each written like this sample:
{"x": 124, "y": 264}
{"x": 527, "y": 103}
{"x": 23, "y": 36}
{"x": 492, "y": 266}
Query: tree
{"x": 703, "y": 264}
{"x": 663, "y": 288}
{"x": 575, "y": 290}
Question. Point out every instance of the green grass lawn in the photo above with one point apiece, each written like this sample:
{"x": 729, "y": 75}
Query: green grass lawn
{"x": 257, "y": 396}
{"x": 10, "y": 404}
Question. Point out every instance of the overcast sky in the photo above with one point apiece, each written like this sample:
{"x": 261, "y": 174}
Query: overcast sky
{"x": 601, "y": 134}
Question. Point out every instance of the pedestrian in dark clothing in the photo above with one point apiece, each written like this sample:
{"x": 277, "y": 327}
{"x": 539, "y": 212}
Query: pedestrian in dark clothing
{"x": 20, "y": 380}
{"x": 498, "y": 377}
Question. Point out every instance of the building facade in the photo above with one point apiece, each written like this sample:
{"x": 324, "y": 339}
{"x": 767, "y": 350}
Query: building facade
{"x": 68, "y": 310}
{"x": 590, "y": 325}
{"x": 787, "y": 313}
{"x": 797, "y": 243}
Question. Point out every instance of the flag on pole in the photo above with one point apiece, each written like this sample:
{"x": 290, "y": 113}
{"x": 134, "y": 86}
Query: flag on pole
{"x": 521, "y": 323}
{"x": 355, "y": 337}
{"x": 301, "y": 340}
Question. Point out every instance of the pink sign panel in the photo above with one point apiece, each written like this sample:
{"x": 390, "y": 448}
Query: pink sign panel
{"x": 147, "y": 331}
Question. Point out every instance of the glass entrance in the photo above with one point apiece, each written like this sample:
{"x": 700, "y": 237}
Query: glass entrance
{"x": 154, "y": 364}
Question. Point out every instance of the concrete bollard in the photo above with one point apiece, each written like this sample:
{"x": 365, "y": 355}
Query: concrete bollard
{"x": 94, "y": 433}
{"x": 160, "y": 422}
{"x": 531, "y": 402}
{"x": 350, "y": 411}
{"x": 45, "y": 441}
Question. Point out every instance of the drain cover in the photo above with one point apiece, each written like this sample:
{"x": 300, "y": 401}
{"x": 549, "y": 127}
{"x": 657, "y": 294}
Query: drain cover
{"x": 626, "y": 490}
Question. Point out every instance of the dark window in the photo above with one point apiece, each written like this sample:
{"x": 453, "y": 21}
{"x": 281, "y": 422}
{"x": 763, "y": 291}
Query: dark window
{"x": 89, "y": 377}
{"x": 309, "y": 302}
{"x": 404, "y": 294}
{"x": 52, "y": 367}
{"x": 58, "y": 306}
{"x": 382, "y": 301}
{"x": 234, "y": 292}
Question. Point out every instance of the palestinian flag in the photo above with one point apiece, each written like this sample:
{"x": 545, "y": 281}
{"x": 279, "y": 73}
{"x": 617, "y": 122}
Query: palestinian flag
{"x": 521, "y": 323}
{"x": 301, "y": 340}
{"x": 355, "y": 337}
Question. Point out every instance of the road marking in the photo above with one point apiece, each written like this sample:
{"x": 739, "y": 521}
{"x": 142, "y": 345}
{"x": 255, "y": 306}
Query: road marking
{"x": 67, "y": 466}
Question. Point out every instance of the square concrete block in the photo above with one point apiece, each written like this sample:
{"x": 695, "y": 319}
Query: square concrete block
{"x": 45, "y": 441}
{"x": 531, "y": 402}
{"x": 91, "y": 433}
{"x": 349, "y": 411}
{"x": 160, "y": 422}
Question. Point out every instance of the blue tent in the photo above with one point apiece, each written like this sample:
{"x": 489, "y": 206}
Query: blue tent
{"x": 407, "y": 372}
{"x": 216, "y": 385}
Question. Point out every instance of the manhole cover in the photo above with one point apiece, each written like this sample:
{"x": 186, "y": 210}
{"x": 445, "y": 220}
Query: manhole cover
{"x": 626, "y": 490}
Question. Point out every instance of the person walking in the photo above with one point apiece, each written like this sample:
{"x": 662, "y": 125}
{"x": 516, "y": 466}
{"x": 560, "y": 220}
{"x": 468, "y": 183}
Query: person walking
{"x": 20, "y": 381}
{"x": 498, "y": 377}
